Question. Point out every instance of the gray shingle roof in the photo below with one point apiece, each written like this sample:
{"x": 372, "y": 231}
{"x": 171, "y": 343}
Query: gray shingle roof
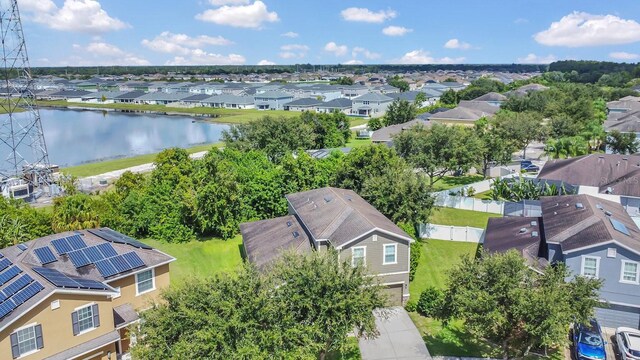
{"x": 124, "y": 315}
{"x": 305, "y": 102}
{"x": 492, "y": 96}
{"x": 273, "y": 95}
{"x": 373, "y": 97}
{"x": 88, "y": 346}
{"x": 386, "y": 133}
{"x": 130, "y": 95}
{"x": 339, "y": 103}
{"x": 504, "y": 234}
{"x": 623, "y": 122}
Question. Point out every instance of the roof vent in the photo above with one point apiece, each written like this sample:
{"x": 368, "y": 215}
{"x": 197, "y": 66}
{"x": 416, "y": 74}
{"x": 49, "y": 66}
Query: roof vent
{"x": 579, "y": 206}
{"x": 296, "y": 234}
{"x": 327, "y": 199}
{"x": 555, "y": 213}
{"x": 598, "y": 206}
{"x": 289, "y": 224}
{"x": 609, "y": 190}
{"x": 566, "y": 205}
{"x": 601, "y": 156}
{"x": 534, "y": 234}
{"x": 608, "y": 213}
{"x": 522, "y": 230}
{"x": 625, "y": 159}
{"x": 534, "y": 223}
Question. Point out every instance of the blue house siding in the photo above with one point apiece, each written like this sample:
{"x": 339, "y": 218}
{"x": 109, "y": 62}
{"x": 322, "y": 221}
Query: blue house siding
{"x": 616, "y": 315}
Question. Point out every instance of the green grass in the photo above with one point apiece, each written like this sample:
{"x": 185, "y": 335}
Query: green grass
{"x": 230, "y": 116}
{"x": 102, "y": 167}
{"x": 486, "y": 195}
{"x": 457, "y": 217}
{"x": 201, "y": 257}
{"x": 353, "y": 142}
{"x": 356, "y": 121}
{"x": 449, "y": 182}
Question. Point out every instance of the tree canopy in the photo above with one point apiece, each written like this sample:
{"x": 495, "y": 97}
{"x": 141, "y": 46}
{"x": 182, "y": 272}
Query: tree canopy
{"x": 399, "y": 112}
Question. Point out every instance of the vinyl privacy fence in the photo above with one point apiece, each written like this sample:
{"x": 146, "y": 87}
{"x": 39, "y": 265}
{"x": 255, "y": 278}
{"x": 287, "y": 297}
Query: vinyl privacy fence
{"x": 452, "y": 233}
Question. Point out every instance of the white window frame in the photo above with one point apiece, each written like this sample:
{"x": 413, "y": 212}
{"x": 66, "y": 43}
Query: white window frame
{"x": 364, "y": 255}
{"x": 93, "y": 324}
{"x": 119, "y": 291}
{"x": 395, "y": 254}
{"x": 622, "y": 279}
{"x": 597, "y": 259}
{"x": 35, "y": 336}
{"x": 153, "y": 282}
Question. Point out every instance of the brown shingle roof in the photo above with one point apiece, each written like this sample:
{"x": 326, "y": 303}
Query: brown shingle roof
{"x": 504, "y": 234}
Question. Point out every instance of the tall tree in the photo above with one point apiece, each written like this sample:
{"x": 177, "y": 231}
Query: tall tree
{"x": 521, "y": 128}
{"x": 364, "y": 163}
{"x": 450, "y": 97}
{"x": 622, "y": 143}
{"x": 439, "y": 150}
{"x": 399, "y": 112}
{"x": 397, "y": 81}
{"x": 75, "y": 212}
{"x": 494, "y": 149}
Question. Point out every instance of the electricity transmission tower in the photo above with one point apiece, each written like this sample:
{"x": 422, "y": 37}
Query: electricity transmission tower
{"x": 23, "y": 152}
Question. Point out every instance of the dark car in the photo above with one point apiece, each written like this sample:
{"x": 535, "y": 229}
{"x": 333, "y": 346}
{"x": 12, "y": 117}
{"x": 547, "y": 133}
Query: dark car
{"x": 528, "y": 166}
{"x": 587, "y": 341}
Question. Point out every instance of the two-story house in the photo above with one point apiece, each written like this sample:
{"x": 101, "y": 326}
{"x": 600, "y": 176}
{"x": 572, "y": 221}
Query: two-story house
{"x": 371, "y": 104}
{"x": 73, "y": 295}
{"x": 272, "y": 100}
{"x": 337, "y": 218}
{"x": 594, "y": 237}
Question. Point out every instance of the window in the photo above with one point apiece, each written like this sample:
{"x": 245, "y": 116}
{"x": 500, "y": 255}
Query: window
{"x": 26, "y": 340}
{"x": 85, "y": 319}
{"x": 590, "y": 266}
{"x": 358, "y": 255}
{"x": 390, "y": 254}
{"x": 145, "y": 282}
{"x": 629, "y": 272}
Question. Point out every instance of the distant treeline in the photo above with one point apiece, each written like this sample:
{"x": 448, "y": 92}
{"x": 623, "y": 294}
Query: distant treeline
{"x": 277, "y": 69}
{"x": 591, "y": 71}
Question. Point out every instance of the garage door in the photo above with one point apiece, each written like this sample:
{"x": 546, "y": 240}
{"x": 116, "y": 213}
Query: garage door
{"x": 394, "y": 294}
{"x": 617, "y": 316}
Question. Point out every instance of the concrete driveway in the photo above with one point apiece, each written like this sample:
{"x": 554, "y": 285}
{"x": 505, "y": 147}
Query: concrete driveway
{"x": 399, "y": 339}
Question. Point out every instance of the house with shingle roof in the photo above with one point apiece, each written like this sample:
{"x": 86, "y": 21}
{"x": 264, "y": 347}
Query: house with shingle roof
{"x": 73, "y": 295}
{"x": 342, "y": 105}
{"x": 303, "y": 104}
{"x": 371, "y": 104}
{"x": 594, "y": 237}
{"x": 466, "y": 113}
{"x": 340, "y": 219}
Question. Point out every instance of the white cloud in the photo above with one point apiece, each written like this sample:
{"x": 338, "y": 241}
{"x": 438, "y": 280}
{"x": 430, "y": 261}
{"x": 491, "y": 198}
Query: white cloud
{"x": 290, "y": 51}
{"x": 245, "y": 16}
{"x": 353, "y": 62}
{"x": 535, "y": 59}
{"x": 74, "y": 15}
{"x": 396, "y": 31}
{"x": 366, "y": 53}
{"x": 457, "y": 44}
{"x": 580, "y": 29}
{"x": 168, "y": 42}
{"x": 423, "y": 57}
{"x": 290, "y": 47}
{"x": 337, "y": 50}
{"x": 290, "y": 55}
{"x": 520, "y": 21}
{"x": 228, "y": 2}
{"x": 366, "y": 15}
{"x": 102, "y": 53}
{"x": 290, "y": 34}
{"x": 201, "y": 57}
{"x": 266, "y": 62}
{"x": 621, "y": 55}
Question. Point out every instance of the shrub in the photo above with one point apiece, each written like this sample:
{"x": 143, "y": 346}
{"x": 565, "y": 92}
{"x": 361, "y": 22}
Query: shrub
{"x": 411, "y": 306}
{"x": 416, "y": 252}
{"x": 430, "y": 302}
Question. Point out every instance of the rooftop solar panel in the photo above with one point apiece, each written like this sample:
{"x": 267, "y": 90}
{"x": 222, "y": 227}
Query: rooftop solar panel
{"x": 105, "y": 268}
{"x": 3, "y": 297}
{"x": 45, "y": 255}
{"x": 6, "y": 308}
{"x": 4, "y": 263}
{"x": 619, "y": 226}
{"x": 18, "y": 284}
{"x": 91, "y": 284}
{"x": 76, "y": 242}
{"x": 120, "y": 263}
{"x": 56, "y": 278}
{"x": 9, "y": 274}
{"x": 27, "y": 293}
{"x": 78, "y": 258}
{"x": 22, "y": 247}
{"x": 133, "y": 259}
{"x": 62, "y": 246}
{"x": 116, "y": 237}
{"x": 107, "y": 250}
{"x": 93, "y": 254}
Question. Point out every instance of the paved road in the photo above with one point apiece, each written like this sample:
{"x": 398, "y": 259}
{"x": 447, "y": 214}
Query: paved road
{"x": 399, "y": 339}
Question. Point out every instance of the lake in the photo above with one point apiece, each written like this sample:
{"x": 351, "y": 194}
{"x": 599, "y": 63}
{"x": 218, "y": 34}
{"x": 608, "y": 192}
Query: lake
{"x": 79, "y": 136}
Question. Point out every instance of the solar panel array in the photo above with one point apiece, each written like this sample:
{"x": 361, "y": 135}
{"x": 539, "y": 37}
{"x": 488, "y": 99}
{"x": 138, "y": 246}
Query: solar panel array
{"x": 116, "y": 237}
{"x": 17, "y": 291}
{"x": 59, "y": 279}
{"x": 45, "y": 255}
{"x": 68, "y": 244}
{"x": 119, "y": 264}
{"x": 91, "y": 255}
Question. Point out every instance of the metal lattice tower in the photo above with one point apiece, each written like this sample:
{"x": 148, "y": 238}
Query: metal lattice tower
{"x": 23, "y": 152}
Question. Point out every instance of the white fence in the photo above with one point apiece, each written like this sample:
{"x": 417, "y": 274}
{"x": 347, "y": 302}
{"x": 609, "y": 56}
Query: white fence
{"x": 452, "y": 233}
{"x": 443, "y": 199}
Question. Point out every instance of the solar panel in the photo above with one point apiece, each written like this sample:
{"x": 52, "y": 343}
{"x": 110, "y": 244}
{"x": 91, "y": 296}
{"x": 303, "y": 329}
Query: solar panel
{"x": 45, "y": 255}
{"x": 619, "y": 226}
{"x": 91, "y": 284}
{"x": 6, "y": 308}
{"x": 22, "y": 247}
{"x": 9, "y": 274}
{"x": 76, "y": 242}
{"x": 62, "y": 246}
{"x": 18, "y": 284}
{"x": 27, "y": 293}
{"x": 133, "y": 259}
{"x": 105, "y": 268}
{"x": 3, "y": 297}
{"x": 56, "y": 278}
{"x": 116, "y": 237}
{"x": 107, "y": 250}
{"x": 78, "y": 258}
{"x": 4, "y": 263}
{"x": 120, "y": 263}
{"x": 93, "y": 254}
{"x": 1, "y": 256}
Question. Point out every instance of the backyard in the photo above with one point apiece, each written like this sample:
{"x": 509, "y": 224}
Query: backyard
{"x": 457, "y": 217}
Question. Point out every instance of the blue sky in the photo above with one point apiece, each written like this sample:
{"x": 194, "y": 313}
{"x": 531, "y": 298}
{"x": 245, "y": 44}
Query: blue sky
{"x": 194, "y": 32}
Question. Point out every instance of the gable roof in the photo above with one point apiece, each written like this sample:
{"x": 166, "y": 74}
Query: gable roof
{"x": 492, "y": 96}
{"x": 340, "y": 216}
{"x": 304, "y": 102}
{"x": 372, "y": 96}
{"x": 27, "y": 261}
{"x": 615, "y": 171}
{"x": 386, "y": 133}
{"x": 579, "y": 221}
{"x": 627, "y": 122}
{"x": 338, "y": 103}
{"x": 516, "y": 233}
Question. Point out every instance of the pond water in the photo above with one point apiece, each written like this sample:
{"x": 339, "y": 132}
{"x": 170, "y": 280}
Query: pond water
{"x": 74, "y": 137}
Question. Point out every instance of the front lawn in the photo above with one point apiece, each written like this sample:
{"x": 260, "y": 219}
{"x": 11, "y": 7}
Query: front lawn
{"x": 457, "y": 217}
{"x": 201, "y": 257}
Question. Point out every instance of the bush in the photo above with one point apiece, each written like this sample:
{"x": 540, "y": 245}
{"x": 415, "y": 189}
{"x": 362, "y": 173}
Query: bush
{"x": 430, "y": 302}
{"x": 416, "y": 252}
{"x": 411, "y": 306}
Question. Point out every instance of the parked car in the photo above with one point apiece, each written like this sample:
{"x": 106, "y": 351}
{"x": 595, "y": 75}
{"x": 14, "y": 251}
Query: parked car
{"x": 528, "y": 166}
{"x": 587, "y": 341}
{"x": 628, "y": 341}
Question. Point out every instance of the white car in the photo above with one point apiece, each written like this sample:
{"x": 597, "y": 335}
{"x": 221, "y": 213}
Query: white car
{"x": 628, "y": 341}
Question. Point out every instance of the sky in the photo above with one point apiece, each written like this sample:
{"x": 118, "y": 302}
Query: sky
{"x": 265, "y": 32}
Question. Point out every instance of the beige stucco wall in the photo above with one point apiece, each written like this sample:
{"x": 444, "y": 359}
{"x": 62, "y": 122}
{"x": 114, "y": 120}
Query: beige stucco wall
{"x": 57, "y": 328}
{"x": 128, "y": 289}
